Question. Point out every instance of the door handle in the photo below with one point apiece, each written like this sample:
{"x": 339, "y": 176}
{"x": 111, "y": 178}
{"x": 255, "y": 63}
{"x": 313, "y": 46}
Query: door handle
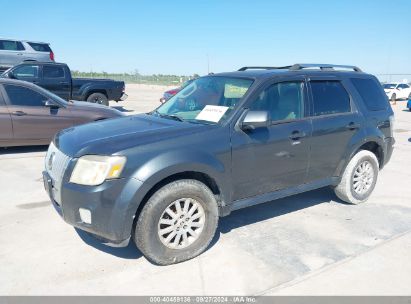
{"x": 352, "y": 126}
{"x": 19, "y": 113}
{"x": 296, "y": 135}
{"x": 63, "y": 82}
{"x": 19, "y": 54}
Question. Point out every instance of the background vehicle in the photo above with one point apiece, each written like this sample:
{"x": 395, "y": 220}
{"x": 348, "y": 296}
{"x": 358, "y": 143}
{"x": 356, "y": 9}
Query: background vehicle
{"x": 409, "y": 104}
{"x": 397, "y": 90}
{"x": 13, "y": 52}
{"x": 224, "y": 142}
{"x": 30, "y": 115}
{"x": 56, "y": 77}
{"x": 170, "y": 93}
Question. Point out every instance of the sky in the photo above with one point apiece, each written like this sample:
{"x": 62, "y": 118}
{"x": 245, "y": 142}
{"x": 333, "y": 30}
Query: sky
{"x": 195, "y": 36}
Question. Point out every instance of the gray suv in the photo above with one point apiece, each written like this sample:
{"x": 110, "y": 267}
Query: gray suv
{"x": 224, "y": 142}
{"x": 13, "y": 52}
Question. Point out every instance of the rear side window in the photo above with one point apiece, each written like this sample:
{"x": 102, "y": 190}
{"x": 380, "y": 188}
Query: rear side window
{"x": 22, "y": 96}
{"x": 40, "y": 47}
{"x": 50, "y": 71}
{"x": 10, "y": 45}
{"x": 329, "y": 97}
{"x": 371, "y": 93}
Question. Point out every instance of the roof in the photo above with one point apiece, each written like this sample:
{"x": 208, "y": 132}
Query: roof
{"x": 296, "y": 69}
{"x": 13, "y": 39}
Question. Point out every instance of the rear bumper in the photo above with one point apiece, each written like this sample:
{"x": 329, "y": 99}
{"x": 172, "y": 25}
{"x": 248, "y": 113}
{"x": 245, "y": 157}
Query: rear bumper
{"x": 389, "y": 148}
{"x": 123, "y": 97}
{"x": 110, "y": 205}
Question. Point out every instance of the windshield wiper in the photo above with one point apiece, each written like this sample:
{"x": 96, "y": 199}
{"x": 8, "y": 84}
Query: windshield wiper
{"x": 172, "y": 116}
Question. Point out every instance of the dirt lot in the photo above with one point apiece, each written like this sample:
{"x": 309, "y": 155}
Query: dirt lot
{"x": 304, "y": 244}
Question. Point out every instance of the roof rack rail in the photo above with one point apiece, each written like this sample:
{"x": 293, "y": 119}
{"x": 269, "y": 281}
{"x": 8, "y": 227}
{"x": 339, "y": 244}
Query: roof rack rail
{"x": 327, "y": 67}
{"x": 262, "y": 68}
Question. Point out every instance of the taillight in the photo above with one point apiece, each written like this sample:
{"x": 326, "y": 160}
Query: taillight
{"x": 51, "y": 56}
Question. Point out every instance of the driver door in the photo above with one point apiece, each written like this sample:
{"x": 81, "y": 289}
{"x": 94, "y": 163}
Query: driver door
{"x": 274, "y": 157}
{"x": 31, "y": 119}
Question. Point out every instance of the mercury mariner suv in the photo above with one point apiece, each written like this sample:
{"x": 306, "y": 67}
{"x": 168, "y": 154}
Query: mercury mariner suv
{"x": 224, "y": 142}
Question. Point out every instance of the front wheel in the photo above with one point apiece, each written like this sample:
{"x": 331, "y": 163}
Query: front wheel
{"x": 177, "y": 223}
{"x": 99, "y": 98}
{"x": 359, "y": 178}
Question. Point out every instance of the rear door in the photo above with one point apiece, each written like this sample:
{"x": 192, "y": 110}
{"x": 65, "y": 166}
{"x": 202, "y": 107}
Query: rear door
{"x": 11, "y": 52}
{"x": 6, "y": 130}
{"x": 56, "y": 80}
{"x": 335, "y": 120}
{"x": 31, "y": 119}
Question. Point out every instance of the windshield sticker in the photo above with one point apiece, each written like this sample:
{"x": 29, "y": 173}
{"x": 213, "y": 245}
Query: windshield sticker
{"x": 212, "y": 113}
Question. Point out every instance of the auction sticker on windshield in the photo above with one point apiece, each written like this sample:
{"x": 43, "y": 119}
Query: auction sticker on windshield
{"x": 212, "y": 113}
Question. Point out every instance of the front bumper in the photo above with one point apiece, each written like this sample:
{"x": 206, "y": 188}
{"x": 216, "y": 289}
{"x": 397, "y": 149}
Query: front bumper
{"x": 112, "y": 206}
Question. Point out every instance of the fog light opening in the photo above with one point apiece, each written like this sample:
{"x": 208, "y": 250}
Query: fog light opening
{"x": 85, "y": 215}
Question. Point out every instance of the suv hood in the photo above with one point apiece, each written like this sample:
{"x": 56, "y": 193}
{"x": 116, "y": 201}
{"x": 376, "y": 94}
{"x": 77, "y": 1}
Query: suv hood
{"x": 114, "y": 135}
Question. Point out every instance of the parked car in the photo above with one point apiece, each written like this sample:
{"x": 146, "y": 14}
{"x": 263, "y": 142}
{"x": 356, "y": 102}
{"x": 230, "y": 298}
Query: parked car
{"x": 170, "y": 93}
{"x": 409, "y": 104}
{"x": 397, "y": 90}
{"x": 13, "y": 52}
{"x": 30, "y": 115}
{"x": 225, "y": 142}
{"x": 56, "y": 77}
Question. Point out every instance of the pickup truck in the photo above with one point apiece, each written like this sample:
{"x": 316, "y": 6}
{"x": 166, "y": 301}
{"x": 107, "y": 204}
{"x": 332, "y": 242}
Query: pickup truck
{"x": 56, "y": 78}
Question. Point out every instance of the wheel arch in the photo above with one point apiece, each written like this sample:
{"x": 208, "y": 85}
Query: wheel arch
{"x": 374, "y": 145}
{"x": 202, "y": 177}
{"x": 92, "y": 91}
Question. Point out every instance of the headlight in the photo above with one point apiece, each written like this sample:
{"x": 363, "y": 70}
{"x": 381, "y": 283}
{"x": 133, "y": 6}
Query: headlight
{"x": 93, "y": 170}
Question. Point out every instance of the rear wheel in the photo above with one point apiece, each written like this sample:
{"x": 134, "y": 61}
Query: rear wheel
{"x": 99, "y": 98}
{"x": 359, "y": 178}
{"x": 177, "y": 223}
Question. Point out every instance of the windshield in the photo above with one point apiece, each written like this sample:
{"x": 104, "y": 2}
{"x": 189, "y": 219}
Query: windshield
{"x": 208, "y": 99}
{"x": 389, "y": 86}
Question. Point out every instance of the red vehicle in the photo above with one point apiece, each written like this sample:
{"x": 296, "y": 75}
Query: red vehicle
{"x": 170, "y": 93}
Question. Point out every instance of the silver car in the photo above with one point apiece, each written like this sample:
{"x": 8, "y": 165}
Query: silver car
{"x": 13, "y": 52}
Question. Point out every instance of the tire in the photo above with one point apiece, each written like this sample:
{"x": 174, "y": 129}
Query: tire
{"x": 393, "y": 97}
{"x": 99, "y": 98}
{"x": 147, "y": 235}
{"x": 346, "y": 189}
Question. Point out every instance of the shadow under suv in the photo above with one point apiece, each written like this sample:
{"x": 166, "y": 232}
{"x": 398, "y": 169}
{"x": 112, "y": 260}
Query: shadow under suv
{"x": 224, "y": 142}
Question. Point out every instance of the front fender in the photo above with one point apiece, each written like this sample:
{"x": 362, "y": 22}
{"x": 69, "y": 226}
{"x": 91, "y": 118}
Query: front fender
{"x": 162, "y": 166}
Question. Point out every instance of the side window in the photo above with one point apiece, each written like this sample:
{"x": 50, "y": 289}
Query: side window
{"x": 50, "y": 71}
{"x": 403, "y": 86}
{"x": 22, "y": 96}
{"x": 371, "y": 94}
{"x": 329, "y": 97}
{"x": 10, "y": 45}
{"x": 26, "y": 71}
{"x": 283, "y": 101}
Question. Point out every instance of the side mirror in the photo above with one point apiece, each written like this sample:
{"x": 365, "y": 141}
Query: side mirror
{"x": 11, "y": 75}
{"x": 254, "y": 120}
{"x": 51, "y": 104}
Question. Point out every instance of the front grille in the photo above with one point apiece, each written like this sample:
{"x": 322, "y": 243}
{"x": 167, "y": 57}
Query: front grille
{"x": 56, "y": 163}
